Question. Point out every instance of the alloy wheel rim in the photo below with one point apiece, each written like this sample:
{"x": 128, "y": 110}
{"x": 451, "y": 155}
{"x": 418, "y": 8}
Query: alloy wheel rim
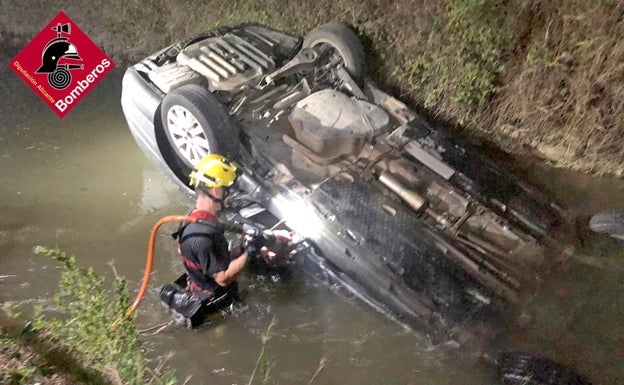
{"x": 187, "y": 134}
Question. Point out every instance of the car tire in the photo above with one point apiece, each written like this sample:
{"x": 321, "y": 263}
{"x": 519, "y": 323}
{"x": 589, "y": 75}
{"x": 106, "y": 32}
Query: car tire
{"x": 346, "y": 43}
{"x": 516, "y": 368}
{"x": 197, "y": 124}
{"x": 610, "y": 222}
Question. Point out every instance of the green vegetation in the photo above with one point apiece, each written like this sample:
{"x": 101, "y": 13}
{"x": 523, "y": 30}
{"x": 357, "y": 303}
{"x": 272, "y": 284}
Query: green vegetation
{"x": 87, "y": 337}
{"x": 18, "y": 365}
{"x": 542, "y": 76}
{"x": 468, "y": 43}
{"x": 263, "y": 363}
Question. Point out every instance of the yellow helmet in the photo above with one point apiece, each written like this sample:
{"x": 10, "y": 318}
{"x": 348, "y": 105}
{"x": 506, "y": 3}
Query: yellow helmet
{"x": 213, "y": 171}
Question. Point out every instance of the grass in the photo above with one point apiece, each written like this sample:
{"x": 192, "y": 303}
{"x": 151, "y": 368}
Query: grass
{"x": 467, "y": 44}
{"x": 74, "y": 337}
{"x": 17, "y": 364}
{"x": 263, "y": 363}
{"x": 566, "y": 95}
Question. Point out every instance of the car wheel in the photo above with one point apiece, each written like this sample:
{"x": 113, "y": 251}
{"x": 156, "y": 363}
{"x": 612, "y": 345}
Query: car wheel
{"x": 517, "y": 368}
{"x": 344, "y": 42}
{"x": 196, "y": 124}
{"x": 610, "y": 222}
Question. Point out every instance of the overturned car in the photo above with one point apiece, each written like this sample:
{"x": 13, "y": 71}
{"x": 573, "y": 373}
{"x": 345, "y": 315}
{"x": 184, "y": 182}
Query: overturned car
{"x": 416, "y": 222}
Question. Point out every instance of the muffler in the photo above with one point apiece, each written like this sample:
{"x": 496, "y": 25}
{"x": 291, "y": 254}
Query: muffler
{"x": 411, "y": 197}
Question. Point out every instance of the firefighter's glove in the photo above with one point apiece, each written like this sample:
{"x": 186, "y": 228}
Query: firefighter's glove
{"x": 280, "y": 245}
{"x": 254, "y": 240}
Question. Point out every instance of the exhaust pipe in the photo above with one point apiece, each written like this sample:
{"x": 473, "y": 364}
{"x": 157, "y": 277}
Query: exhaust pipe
{"x": 412, "y": 198}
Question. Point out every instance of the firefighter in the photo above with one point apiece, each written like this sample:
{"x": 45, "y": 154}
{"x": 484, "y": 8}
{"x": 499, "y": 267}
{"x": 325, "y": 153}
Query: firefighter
{"x": 203, "y": 247}
{"x": 211, "y": 269}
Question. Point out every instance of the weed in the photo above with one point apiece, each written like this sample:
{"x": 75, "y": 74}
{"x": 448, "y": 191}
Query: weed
{"x": 263, "y": 363}
{"x": 468, "y": 46}
{"x": 15, "y": 366}
{"x": 80, "y": 330}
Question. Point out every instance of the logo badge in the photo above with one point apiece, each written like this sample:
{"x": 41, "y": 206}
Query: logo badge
{"x": 61, "y": 64}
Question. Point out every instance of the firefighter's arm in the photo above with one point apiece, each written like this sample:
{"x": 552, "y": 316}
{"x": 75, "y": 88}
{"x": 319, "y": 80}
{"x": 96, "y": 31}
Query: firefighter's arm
{"x": 226, "y": 277}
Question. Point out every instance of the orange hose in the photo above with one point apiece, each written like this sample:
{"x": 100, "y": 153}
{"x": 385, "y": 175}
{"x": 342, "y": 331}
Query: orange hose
{"x": 150, "y": 254}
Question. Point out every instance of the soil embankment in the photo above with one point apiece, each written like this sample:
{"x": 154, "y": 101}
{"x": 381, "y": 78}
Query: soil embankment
{"x": 526, "y": 76}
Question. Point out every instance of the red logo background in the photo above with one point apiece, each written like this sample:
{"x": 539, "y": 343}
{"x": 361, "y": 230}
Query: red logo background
{"x": 94, "y": 62}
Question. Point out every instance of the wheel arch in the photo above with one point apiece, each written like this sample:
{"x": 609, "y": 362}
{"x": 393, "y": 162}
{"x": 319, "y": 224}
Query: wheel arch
{"x": 345, "y": 41}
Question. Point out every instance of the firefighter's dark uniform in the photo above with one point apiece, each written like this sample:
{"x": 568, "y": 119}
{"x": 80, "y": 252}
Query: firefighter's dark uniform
{"x": 204, "y": 252}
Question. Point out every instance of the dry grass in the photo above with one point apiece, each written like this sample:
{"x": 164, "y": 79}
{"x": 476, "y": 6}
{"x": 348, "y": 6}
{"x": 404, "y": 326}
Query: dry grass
{"x": 565, "y": 101}
{"x": 21, "y": 364}
{"x": 543, "y": 76}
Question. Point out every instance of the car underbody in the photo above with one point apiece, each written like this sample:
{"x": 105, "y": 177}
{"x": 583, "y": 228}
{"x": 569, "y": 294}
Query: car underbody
{"x": 417, "y": 222}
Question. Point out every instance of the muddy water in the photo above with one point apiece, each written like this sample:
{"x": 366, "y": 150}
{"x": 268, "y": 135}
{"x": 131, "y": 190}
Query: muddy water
{"x": 82, "y": 184}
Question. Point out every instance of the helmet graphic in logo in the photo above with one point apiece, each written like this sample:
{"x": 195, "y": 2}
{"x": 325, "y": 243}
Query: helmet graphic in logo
{"x": 56, "y": 50}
